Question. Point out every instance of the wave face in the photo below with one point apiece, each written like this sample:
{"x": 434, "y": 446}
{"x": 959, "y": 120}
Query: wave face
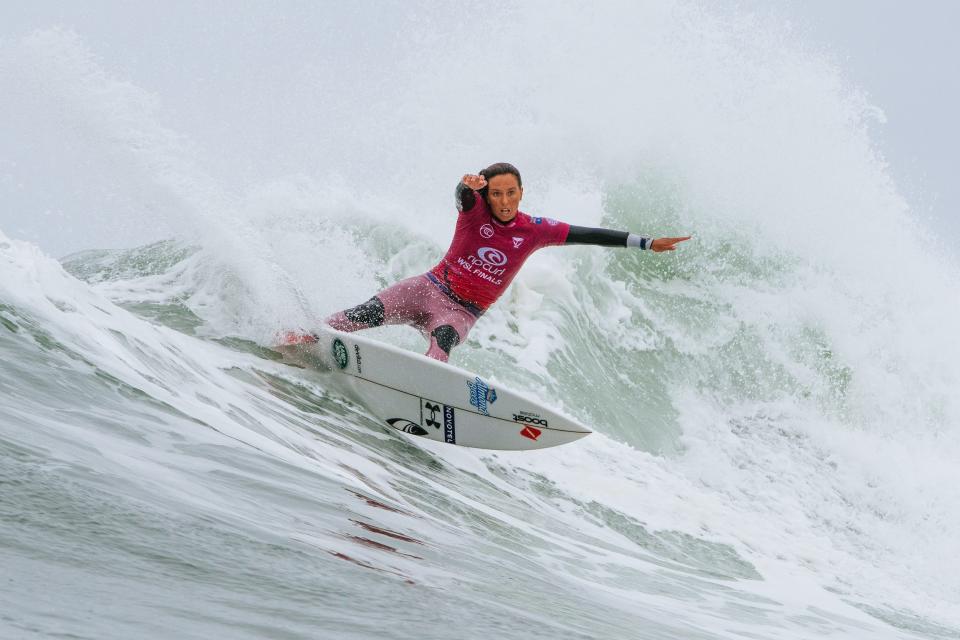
{"x": 775, "y": 405}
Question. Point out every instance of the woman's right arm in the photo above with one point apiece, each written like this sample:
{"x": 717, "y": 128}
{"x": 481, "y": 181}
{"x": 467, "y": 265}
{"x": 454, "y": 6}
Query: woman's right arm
{"x": 466, "y": 193}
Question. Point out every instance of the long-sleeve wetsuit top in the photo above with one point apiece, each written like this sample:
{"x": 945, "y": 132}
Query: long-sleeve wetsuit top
{"x": 486, "y": 254}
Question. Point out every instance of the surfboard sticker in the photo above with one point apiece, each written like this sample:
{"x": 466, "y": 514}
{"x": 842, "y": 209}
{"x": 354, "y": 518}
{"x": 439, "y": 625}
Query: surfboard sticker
{"x": 358, "y": 359}
{"x": 531, "y": 432}
{"x": 402, "y": 424}
{"x": 340, "y": 354}
{"x": 431, "y": 413}
{"x": 526, "y": 417}
{"x": 449, "y": 425}
{"x": 481, "y": 395}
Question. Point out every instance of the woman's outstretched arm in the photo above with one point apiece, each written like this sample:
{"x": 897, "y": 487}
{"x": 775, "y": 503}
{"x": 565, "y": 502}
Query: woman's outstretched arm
{"x": 611, "y": 238}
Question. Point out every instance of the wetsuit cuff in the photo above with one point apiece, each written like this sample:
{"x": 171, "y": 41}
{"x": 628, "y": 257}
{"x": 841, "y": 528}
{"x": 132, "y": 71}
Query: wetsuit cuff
{"x": 633, "y": 240}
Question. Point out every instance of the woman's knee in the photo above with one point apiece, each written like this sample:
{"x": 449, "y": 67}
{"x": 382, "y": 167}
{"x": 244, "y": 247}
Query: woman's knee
{"x": 363, "y": 316}
{"x": 446, "y": 337}
{"x": 370, "y": 313}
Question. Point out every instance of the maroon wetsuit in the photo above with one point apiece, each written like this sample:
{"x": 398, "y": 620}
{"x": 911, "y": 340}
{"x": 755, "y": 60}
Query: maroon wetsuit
{"x": 485, "y": 255}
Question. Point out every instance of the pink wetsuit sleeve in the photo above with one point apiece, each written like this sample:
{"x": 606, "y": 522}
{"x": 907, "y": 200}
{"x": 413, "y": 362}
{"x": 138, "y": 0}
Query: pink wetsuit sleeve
{"x": 554, "y": 233}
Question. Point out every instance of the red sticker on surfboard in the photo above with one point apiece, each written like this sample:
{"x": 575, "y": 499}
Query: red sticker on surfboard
{"x": 530, "y": 432}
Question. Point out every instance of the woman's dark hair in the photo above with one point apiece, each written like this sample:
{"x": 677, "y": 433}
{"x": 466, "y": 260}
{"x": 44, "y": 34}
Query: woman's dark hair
{"x": 499, "y": 169}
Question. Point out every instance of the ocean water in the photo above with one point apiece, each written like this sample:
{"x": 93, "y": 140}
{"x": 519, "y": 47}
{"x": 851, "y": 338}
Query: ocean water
{"x": 775, "y": 405}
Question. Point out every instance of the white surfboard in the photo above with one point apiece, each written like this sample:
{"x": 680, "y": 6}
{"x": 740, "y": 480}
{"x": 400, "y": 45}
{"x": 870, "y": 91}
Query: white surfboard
{"x": 424, "y": 397}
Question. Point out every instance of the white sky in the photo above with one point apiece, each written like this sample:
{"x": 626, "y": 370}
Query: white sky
{"x": 906, "y": 55}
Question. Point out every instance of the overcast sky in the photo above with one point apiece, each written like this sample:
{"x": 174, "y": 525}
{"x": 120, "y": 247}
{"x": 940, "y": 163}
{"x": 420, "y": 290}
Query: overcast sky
{"x": 907, "y": 57}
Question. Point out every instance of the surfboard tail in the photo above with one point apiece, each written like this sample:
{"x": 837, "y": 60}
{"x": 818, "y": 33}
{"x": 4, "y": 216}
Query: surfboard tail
{"x": 294, "y": 337}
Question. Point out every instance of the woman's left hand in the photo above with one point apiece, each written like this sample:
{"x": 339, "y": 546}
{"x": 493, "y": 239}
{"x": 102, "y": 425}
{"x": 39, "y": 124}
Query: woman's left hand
{"x": 666, "y": 244}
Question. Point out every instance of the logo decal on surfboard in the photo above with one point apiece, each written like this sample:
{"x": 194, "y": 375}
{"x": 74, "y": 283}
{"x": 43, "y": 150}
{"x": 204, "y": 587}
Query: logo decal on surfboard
{"x": 481, "y": 394}
{"x": 449, "y": 425}
{"x": 340, "y": 355}
{"x": 428, "y": 413}
{"x": 402, "y": 424}
{"x": 530, "y": 418}
{"x": 530, "y": 432}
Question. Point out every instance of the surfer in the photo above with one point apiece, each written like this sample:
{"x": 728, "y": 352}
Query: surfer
{"x": 492, "y": 240}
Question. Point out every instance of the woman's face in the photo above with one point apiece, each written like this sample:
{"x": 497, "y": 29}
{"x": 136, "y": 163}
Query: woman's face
{"x": 503, "y": 196}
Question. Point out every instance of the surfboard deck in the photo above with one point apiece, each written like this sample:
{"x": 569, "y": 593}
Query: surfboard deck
{"x": 428, "y": 398}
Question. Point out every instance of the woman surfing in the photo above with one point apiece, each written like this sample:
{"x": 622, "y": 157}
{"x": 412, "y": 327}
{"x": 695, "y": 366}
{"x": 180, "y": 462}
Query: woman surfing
{"x": 492, "y": 240}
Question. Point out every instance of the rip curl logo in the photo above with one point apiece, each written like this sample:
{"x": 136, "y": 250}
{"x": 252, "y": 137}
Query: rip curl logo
{"x": 517, "y": 242}
{"x": 487, "y": 264}
{"x": 492, "y": 256}
{"x": 486, "y": 231}
{"x": 481, "y": 395}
